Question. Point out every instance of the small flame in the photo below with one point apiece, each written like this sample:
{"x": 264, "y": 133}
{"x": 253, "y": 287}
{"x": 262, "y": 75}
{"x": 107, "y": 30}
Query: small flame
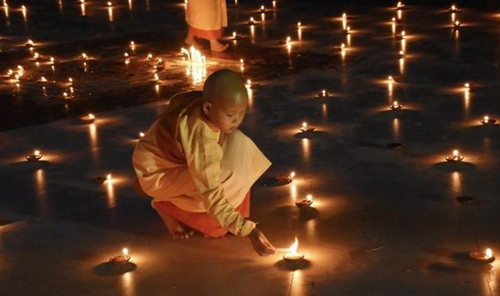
{"x": 457, "y": 23}
{"x": 141, "y": 134}
{"x": 488, "y": 253}
{"x": 109, "y": 3}
{"x": 455, "y": 152}
{"x": 37, "y": 152}
{"x": 467, "y": 85}
{"x": 323, "y": 93}
{"x": 304, "y": 124}
{"x": 293, "y": 248}
{"x": 125, "y": 252}
{"x": 288, "y": 39}
{"x": 309, "y": 197}
{"x": 486, "y": 118}
{"x": 234, "y": 34}
{"x": 393, "y": 19}
{"x": 91, "y": 116}
{"x": 403, "y": 34}
{"x": 390, "y": 78}
{"x": 395, "y": 104}
{"x": 292, "y": 175}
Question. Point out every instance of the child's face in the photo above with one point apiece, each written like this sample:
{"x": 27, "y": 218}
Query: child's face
{"x": 227, "y": 118}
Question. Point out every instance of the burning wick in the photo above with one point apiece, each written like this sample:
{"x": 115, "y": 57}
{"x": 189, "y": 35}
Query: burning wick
{"x": 234, "y": 35}
{"x": 251, "y": 21}
{"x": 30, "y": 43}
{"x": 109, "y": 179}
{"x": 141, "y": 135}
{"x": 485, "y": 257}
{"x": 119, "y": 259}
{"x": 90, "y": 118}
{"x": 400, "y": 5}
{"x": 249, "y": 83}
{"x": 305, "y": 202}
{"x": 456, "y": 25}
{"x": 305, "y": 128}
{"x": 36, "y": 156}
{"x": 324, "y": 94}
{"x": 395, "y": 106}
{"x": 401, "y": 54}
{"x": 262, "y": 8}
{"x": 487, "y": 120}
{"x": 455, "y": 157}
{"x": 467, "y": 86}
{"x": 403, "y": 35}
{"x": 299, "y": 25}
{"x": 453, "y": 8}
{"x": 292, "y": 254}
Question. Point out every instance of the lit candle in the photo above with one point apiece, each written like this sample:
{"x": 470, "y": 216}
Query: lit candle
{"x": 401, "y": 54}
{"x": 324, "y": 93}
{"x": 342, "y": 50}
{"x": 455, "y": 157}
{"x": 119, "y": 259}
{"x": 30, "y": 43}
{"x": 90, "y": 118}
{"x": 456, "y": 25}
{"x": 109, "y": 179}
{"x": 150, "y": 56}
{"x": 299, "y": 25}
{"x": 251, "y": 21}
{"x": 453, "y": 8}
{"x": 132, "y": 45}
{"x": 305, "y": 128}
{"x": 403, "y": 34}
{"x": 288, "y": 40}
{"x": 262, "y": 8}
{"x": 467, "y": 86}
{"x": 344, "y": 21}
{"x": 305, "y": 202}
{"x": 488, "y": 121}
{"x": 43, "y": 79}
{"x": 249, "y": 83}
{"x": 400, "y": 5}
{"x": 141, "y": 135}
{"x": 395, "y": 105}
{"x": 485, "y": 256}
{"x": 292, "y": 254}
{"x": 36, "y": 156}
{"x": 234, "y": 35}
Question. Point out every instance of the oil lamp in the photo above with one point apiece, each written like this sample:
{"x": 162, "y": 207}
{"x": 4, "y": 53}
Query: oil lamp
{"x": 36, "y": 156}
{"x": 485, "y": 256}
{"x": 292, "y": 254}
{"x": 305, "y": 128}
{"x": 455, "y": 157}
{"x": 305, "y": 202}
{"x": 488, "y": 121}
{"x": 395, "y": 106}
{"x": 119, "y": 259}
{"x": 90, "y": 118}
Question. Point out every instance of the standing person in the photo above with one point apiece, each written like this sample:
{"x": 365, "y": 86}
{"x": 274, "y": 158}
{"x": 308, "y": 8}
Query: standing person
{"x": 198, "y": 167}
{"x": 205, "y": 20}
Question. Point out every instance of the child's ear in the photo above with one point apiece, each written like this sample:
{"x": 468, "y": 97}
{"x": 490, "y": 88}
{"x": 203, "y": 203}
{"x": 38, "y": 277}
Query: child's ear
{"x": 207, "y": 107}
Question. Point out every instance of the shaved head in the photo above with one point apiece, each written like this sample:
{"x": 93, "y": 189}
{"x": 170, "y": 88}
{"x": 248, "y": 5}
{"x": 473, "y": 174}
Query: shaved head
{"x": 225, "y": 88}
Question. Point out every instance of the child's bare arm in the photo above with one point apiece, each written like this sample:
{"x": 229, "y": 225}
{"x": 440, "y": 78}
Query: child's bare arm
{"x": 260, "y": 243}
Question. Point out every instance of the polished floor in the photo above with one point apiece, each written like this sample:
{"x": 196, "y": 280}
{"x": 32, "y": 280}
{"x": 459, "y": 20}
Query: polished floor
{"x": 390, "y": 215}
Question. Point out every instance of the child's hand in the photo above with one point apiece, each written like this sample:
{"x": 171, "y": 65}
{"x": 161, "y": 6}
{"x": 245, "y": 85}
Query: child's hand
{"x": 260, "y": 243}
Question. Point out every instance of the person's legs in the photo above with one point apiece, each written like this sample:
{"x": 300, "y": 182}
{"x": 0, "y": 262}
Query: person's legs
{"x": 211, "y": 35}
{"x": 174, "y": 218}
{"x": 216, "y": 46}
{"x": 190, "y": 38}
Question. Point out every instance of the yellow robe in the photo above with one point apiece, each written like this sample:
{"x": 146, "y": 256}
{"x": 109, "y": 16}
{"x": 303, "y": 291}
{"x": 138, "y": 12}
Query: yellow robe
{"x": 180, "y": 160}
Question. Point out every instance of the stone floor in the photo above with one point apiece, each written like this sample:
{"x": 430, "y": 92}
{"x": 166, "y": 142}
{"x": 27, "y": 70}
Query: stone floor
{"x": 385, "y": 219}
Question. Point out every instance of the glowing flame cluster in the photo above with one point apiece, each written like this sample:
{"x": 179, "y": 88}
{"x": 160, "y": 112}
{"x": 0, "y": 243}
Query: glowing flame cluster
{"x": 196, "y": 67}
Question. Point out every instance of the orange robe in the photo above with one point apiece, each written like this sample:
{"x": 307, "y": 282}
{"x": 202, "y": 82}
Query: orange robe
{"x": 180, "y": 160}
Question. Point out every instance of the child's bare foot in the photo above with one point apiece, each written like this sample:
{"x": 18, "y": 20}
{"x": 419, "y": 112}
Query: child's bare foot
{"x": 216, "y": 46}
{"x": 176, "y": 230}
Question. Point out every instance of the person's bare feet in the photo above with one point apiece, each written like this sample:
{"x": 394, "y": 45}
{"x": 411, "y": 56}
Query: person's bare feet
{"x": 176, "y": 230}
{"x": 216, "y": 46}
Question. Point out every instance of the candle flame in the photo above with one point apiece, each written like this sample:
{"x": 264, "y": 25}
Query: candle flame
{"x": 455, "y": 152}
{"x": 37, "y": 152}
{"x": 141, "y": 134}
{"x": 488, "y": 253}
{"x": 91, "y": 116}
{"x": 304, "y": 124}
{"x": 292, "y": 175}
{"x": 309, "y": 197}
{"x": 293, "y": 248}
{"x": 125, "y": 252}
{"x": 486, "y": 119}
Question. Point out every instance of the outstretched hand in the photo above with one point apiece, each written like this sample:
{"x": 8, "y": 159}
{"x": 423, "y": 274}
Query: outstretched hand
{"x": 260, "y": 243}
